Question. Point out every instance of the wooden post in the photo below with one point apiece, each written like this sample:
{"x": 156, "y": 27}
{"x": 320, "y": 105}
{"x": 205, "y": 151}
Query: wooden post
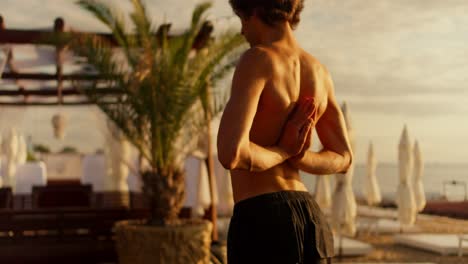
{"x": 2, "y": 24}
{"x": 340, "y": 248}
{"x": 25, "y": 96}
{"x": 211, "y": 174}
{"x": 9, "y": 59}
{"x": 213, "y": 187}
{"x": 2, "y": 63}
{"x": 59, "y": 26}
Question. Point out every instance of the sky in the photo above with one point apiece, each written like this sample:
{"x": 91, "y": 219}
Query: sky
{"x": 394, "y": 62}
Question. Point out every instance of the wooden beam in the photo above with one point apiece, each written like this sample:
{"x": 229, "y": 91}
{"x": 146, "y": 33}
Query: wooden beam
{"x": 37, "y": 37}
{"x": 22, "y": 104}
{"x": 49, "y": 77}
{"x": 59, "y": 27}
{"x": 51, "y": 92}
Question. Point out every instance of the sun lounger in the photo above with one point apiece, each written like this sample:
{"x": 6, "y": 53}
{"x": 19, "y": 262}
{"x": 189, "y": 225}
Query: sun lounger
{"x": 372, "y": 211}
{"x": 444, "y": 244}
{"x": 384, "y": 226}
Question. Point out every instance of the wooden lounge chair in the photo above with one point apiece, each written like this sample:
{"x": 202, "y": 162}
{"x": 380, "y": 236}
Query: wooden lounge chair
{"x": 53, "y": 196}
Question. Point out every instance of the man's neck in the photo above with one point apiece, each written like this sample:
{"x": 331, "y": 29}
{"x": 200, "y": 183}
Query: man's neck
{"x": 281, "y": 32}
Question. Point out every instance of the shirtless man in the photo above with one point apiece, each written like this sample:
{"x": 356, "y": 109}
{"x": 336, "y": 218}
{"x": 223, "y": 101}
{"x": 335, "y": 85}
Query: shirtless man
{"x": 265, "y": 136}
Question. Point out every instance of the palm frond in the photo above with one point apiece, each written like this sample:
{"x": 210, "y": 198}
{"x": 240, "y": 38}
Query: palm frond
{"x": 189, "y": 36}
{"x": 113, "y": 20}
{"x": 166, "y": 86}
{"x": 142, "y": 25}
{"x": 213, "y": 67}
{"x": 198, "y": 13}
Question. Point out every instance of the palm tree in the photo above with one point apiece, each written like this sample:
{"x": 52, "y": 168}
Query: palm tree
{"x": 166, "y": 91}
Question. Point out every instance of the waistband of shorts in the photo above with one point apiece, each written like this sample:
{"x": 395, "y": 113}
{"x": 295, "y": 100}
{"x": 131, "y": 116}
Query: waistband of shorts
{"x": 271, "y": 198}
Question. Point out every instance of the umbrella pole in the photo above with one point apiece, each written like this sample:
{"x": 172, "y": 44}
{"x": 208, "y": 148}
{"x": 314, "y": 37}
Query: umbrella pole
{"x": 340, "y": 250}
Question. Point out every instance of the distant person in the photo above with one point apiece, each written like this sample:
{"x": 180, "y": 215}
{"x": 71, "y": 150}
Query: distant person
{"x": 280, "y": 95}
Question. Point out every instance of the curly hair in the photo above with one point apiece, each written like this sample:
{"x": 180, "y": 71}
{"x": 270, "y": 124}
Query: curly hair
{"x": 270, "y": 11}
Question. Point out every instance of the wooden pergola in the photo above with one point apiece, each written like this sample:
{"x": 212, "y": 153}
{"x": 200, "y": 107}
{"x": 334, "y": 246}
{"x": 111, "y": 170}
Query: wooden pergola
{"x": 40, "y": 37}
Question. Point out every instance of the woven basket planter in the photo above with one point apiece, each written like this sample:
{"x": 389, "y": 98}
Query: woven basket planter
{"x": 188, "y": 243}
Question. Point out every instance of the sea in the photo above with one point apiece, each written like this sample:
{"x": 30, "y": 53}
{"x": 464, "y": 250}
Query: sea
{"x": 437, "y": 180}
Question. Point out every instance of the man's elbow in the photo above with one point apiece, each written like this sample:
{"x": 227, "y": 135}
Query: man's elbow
{"x": 347, "y": 161}
{"x": 229, "y": 159}
{"x": 234, "y": 156}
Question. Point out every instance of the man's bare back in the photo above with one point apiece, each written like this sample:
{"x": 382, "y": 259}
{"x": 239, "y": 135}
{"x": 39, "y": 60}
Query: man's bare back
{"x": 295, "y": 75}
{"x": 279, "y": 95}
{"x": 262, "y": 139}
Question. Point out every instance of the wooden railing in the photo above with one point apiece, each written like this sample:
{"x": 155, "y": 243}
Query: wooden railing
{"x": 61, "y": 235}
{"x": 84, "y": 234}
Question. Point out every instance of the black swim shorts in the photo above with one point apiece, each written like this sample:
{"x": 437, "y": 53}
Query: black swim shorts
{"x": 285, "y": 227}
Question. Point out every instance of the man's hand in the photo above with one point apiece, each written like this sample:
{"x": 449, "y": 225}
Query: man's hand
{"x": 308, "y": 142}
{"x": 296, "y": 133}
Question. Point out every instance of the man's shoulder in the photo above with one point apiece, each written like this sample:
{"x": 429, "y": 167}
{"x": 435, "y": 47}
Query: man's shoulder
{"x": 315, "y": 70}
{"x": 311, "y": 63}
{"x": 258, "y": 55}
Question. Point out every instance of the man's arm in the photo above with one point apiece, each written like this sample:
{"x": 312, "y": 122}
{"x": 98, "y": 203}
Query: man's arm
{"x": 235, "y": 150}
{"x": 336, "y": 155}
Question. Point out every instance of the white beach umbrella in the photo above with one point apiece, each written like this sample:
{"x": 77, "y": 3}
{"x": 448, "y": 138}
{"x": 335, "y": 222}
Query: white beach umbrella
{"x": 197, "y": 183}
{"x": 117, "y": 158}
{"x": 405, "y": 196}
{"x": 419, "y": 195}
{"x": 10, "y": 151}
{"x": 22, "y": 154}
{"x": 322, "y": 192}
{"x": 225, "y": 198}
{"x": 371, "y": 187}
{"x": 323, "y": 195}
{"x": 203, "y": 195}
{"x": 344, "y": 207}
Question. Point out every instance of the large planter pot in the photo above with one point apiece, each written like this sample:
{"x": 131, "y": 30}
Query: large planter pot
{"x": 188, "y": 243}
